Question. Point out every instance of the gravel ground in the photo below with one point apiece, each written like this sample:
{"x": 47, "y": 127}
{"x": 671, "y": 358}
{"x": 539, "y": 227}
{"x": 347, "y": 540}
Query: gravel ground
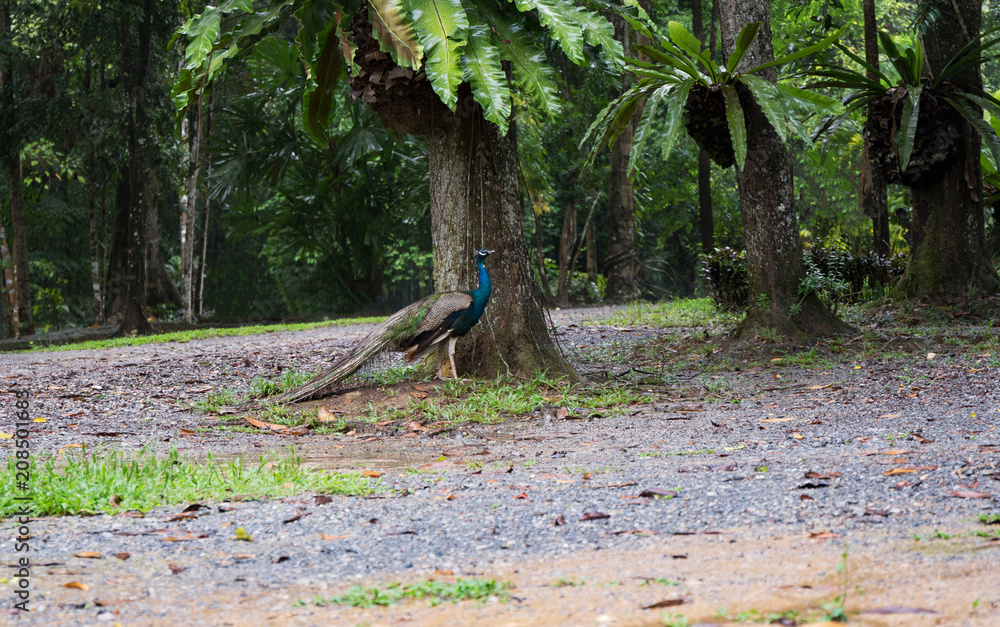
{"x": 758, "y": 496}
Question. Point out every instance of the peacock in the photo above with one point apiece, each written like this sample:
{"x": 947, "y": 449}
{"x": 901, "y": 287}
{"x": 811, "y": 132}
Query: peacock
{"x": 415, "y": 331}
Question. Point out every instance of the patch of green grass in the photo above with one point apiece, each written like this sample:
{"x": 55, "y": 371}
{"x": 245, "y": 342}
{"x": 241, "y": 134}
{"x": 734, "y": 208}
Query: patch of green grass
{"x": 91, "y": 483}
{"x": 688, "y": 312}
{"x": 990, "y": 519}
{"x": 199, "y": 334}
{"x": 756, "y": 616}
{"x": 569, "y": 582}
{"x": 216, "y": 400}
{"x": 435, "y": 591}
{"x": 390, "y": 376}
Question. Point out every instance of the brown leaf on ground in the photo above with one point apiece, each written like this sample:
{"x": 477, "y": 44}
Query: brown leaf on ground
{"x": 194, "y": 507}
{"x": 559, "y": 521}
{"x": 899, "y": 471}
{"x": 279, "y": 559}
{"x": 806, "y": 497}
{"x": 76, "y": 585}
{"x": 522, "y": 495}
{"x": 123, "y": 555}
{"x": 323, "y": 499}
{"x": 968, "y": 494}
{"x": 201, "y": 389}
{"x": 326, "y": 537}
{"x": 185, "y": 538}
{"x": 895, "y": 452}
{"x": 115, "y": 500}
{"x": 594, "y": 516}
{"x": 666, "y": 603}
{"x": 88, "y": 555}
{"x": 175, "y": 569}
{"x": 562, "y": 413}
{"x": 823, "y": 535}
{"x": 182, "y": 516}
{"x": 106, "y": 603}
{"x": 324, "y": 415}
{"x": 821, "y": 475}
{"x": 416, "y": 426}
{"x": 371, "y": 474}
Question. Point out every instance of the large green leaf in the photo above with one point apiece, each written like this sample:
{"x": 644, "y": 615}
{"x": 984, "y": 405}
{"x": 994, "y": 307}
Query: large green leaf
{"x": 982, "y": 127}
{"x": 803, "y": 52}
{"x": 557, "y": 17}
{"x": 642, "y": 129}
{"x": 690, "y": 44}
{"x": 442, "y": 27}
{"x": 769, "y": 99}
{"x": 811, "y": 99}
{"x": 531, "y": 69}
{"x": 908, "y": 126}
{"x": 485, "y": 75}
{"x": 598, "y": 31}
{"x": 737, "y": 124}
{"x": 202, "y": 31}
{"x": 675, "y": 102}
{"x": 394, "y": 33}
{"x": 743, "y": 41}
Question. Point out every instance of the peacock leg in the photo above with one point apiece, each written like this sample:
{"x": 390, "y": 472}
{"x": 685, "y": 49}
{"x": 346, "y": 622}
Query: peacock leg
{"x": 451, "y": 356}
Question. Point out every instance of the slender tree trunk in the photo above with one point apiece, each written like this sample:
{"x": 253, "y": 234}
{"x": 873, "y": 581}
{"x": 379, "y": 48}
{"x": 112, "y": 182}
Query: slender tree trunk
{"x": 592, "y": 271}
{"x": 619, "y": 263}
{"x": 767, "y": 204}
{"x": 706, "y": 222}
{"x": 543, "y": 273}
{"x": 567, "y": 238}
{"x": 8, "y": 302}
{"x": 191, "y": 134}
{"x": 874, "y": 196}
{"x": 206, "y": 205}
{"x": 475, "y": 203}
{"x": 159, "y": 287}
{"x": 948, "y": 257}
{"x": 19, "y": 231}
{"x": 96, "y": 245}
{"x": 134, "y": 69}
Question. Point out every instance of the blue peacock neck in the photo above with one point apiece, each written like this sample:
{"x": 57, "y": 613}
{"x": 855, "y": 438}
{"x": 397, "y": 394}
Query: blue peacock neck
{"x": 481, "y": 294}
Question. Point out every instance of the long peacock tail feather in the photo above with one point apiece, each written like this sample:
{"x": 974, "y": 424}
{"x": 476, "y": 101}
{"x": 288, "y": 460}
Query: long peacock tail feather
{"x": 400, "y": 326}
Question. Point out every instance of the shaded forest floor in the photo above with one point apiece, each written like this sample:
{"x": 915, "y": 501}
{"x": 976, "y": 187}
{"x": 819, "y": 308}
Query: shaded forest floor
{"x": 857, "y": 476}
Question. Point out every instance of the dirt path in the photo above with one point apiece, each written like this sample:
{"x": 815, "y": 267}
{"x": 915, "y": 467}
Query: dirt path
{"x": 744, "y": 488}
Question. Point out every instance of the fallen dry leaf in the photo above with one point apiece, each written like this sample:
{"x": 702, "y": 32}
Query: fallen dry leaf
{"x": 326, "y": 537}
{"x": 666, "y": 603}
{"x": 823, "y": 535}
{"x": 899, "y": 471}
{"x": 76, "y": 585}
{"x": 559, "y": 521}
{"x": 123, "y": 555}
{"x": 894, "y": 452}
{"x": 175, "y": 569}
{"x": 371, "y": 474}
{"x": 88, "y": 554}
{"x": 279, "y": 559}
{"x": 323, "y": 415}
{"x": 968, "y": 494}
{"x": 323, "y": 499}
{"x": 522, "y": 495}
{"x": 785, "y": 419}
{"x": 594, "y": 516}
{"x": 819, "y": 475}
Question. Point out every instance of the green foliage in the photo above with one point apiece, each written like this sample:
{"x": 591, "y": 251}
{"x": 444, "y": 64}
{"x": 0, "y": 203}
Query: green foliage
{"x": 86, "y": 483}
{"x": 450, "y": 41}
{"x": 679, "y": 64}
{"x": 907, "y": 83}
{"x": 832, "y": 273}
{"x": 434, "y": 591}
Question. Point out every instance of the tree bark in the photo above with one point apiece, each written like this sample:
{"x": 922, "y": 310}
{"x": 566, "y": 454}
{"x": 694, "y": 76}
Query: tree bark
{"x": 475, "y": 203}
{"x": 191, "y": 135}
{"x": 874, "y": 195}
{"x": 948, "y": 257}
{"x": 199, "y": 291}
{"x": 706, "y": 222}
{"x": 591, "y": 253}
{"x": 134, "y": 69}
{"x": 767, "y": 205}
{"x": 19, "y": 231}
{"x": 8, "y": 302}
{"x": 96, "y": 245}
{"x": 619, "y": 264}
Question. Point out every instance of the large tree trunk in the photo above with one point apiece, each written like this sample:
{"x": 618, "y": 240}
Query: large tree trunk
{"x": 706, "y": 222}
{"x": 134, "y": 69}
{"x": 948, "y": 254}
{"x": 475, "y": 203}
{"x": 96, "y": 246}
{"x": 619, "y": 263}
{"x": 874, "y": 196}
{"x": 19, "y": 231}
{"x": 767, "y": 205}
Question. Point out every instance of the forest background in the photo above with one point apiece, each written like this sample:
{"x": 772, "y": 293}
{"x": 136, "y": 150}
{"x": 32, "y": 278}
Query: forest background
{"x": 251, "y": 213}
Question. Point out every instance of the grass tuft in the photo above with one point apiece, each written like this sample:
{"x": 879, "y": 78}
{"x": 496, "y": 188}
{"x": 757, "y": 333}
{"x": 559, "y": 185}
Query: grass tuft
{"x": 435, "y": 591}
{"x": 89, "y": 484}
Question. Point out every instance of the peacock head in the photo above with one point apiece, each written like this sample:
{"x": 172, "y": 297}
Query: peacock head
{"x": 481, "y": 254}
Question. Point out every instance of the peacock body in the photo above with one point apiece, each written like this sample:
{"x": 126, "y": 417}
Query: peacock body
{"x": 415, "y": 331}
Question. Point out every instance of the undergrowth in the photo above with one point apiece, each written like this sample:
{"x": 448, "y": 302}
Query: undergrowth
{"x": 434, "y": 591}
